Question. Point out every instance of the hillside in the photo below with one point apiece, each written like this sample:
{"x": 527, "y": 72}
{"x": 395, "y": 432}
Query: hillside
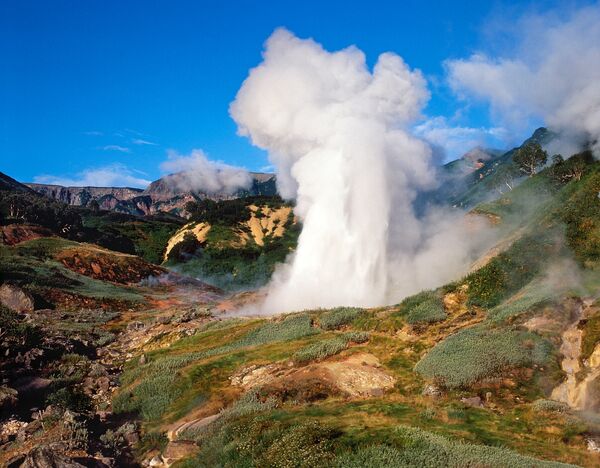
{"x": 234, "y": 244}
{"x": 478, "y": 361}
{"x": 125, "y": 361}
{"x": 162, "y": 195}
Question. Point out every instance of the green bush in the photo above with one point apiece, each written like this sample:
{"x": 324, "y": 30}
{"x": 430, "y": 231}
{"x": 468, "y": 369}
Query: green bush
{"x": 335, "y": 318}
{"x": 429, "y": 311}
{"x": 424, "y": 307}
{"x": 330, "y": 347}
{"x": 473, "y": 354}
{"x": 320, "y": 350}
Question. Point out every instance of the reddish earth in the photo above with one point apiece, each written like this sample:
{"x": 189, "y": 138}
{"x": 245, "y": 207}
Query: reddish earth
{"x": 15, "y": 233}
{"x": 108, "y": 266}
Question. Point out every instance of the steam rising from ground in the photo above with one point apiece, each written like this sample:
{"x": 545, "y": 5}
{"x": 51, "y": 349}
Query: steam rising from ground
{"x": 553, "y": 74}
{"x": 195, "y": 172}
{"x": 337, "y": 135}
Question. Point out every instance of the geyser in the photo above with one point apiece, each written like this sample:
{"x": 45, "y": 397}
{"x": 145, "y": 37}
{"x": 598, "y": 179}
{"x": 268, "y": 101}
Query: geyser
{"x": 338, "y": 136}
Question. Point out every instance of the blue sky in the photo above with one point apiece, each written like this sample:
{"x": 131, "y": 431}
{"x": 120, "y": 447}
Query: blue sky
{"x": 113, "y": 85}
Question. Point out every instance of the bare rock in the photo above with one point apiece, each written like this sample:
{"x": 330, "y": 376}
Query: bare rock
{"x": 14, "y": 298}
{"x": 46, "y": 457}
{"x": 432, "y": 391}
{"x": 178, "y": 449}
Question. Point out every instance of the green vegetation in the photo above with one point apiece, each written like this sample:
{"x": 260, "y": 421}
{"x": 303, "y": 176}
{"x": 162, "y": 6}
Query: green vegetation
{"x": 591, "y": 336}
{"x": 239, "y": 267}
{"x": 162, "y": 383}
{"x": 146, "y": 237}
{"x": 338, "y": 317}
{"x": 229, "y": 212}
{"x": 325, "y": 348}
{"x": 550, "y": 406}
{"x": 424, "y": 307}
{"x": 31, "y": 265}
{"x": 417, "y": 448}
{"x": 510, "y": 270}
{"x": 529, "y": 157}
{"x": 476, "y": 353}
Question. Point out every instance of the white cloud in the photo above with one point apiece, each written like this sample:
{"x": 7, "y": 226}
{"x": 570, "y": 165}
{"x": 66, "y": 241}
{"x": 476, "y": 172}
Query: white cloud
{"x": 139, "y": 141}
{"x": 93, "y": 133}
{"x": 114, "y": 175}
{"x": 197, "y": 173}
{"x": 457, "y": 140}
{"x": 121, "y": 149}
{"x": 553, "y": 73}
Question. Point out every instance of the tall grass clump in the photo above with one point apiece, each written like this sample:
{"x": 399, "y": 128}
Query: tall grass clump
{"x": 335, "y": 318}
{"x": 476, "y": 353}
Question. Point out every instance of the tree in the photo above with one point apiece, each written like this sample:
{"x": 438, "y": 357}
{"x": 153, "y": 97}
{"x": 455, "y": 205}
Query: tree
{"x": 529, "y": 157}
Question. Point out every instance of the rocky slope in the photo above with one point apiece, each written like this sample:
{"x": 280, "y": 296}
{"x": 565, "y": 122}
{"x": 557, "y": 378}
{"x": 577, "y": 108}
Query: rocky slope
{"x": 162, "y": 195}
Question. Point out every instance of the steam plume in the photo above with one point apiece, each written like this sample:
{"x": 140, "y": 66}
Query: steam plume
{"x": 553, "y": 74}
{"x": 336, "y": 133}
{"x": 195, "y": 172}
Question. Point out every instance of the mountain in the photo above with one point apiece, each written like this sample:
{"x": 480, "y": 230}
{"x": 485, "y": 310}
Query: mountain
{"x": 9, "y": 184}
{"x": 162, "y": 195}
{"x": 479, "y": 174}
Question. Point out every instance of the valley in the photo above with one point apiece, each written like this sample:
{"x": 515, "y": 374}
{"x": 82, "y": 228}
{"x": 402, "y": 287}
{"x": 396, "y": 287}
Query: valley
{"x": 134, "y": 341}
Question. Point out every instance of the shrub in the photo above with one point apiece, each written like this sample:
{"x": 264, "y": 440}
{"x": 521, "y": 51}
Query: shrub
{"x": 550, "y": 406}
{"x": 429, "y": 311}
{"x": 473, "y": 354}
{"x": 424, "y": 307}
{"x": 335, "y": 318}
{"x": 320, "y": 350}
{"x": 330, "y": 347}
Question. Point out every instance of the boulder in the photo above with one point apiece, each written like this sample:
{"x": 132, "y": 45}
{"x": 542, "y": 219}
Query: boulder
{"x": 46, "y": 457}
{"x": 15, "y": 299}
{"x": 178, "y": 449}
{"x": 475, "y": 402}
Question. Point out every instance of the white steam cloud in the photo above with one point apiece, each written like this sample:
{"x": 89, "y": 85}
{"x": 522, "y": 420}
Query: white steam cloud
{"x": 336, "y": 133}
{"x": 553, "y": 74}
{"x": 195, "y": 172}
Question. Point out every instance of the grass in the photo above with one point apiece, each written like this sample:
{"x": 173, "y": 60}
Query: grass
{"x": 338, "y": 317}
{"x": 476, "y": 353}
{"x": 414, "y": 447}
{"x": 151, "y": 389}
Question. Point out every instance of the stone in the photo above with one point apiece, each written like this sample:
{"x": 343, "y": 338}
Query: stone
{"x": 178, "y": 449}
{"x": 15, "y": 299}
{"x": 432, "y": 391}
{"x": 475, "y": 402}
{"x": 46, "y": 457}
